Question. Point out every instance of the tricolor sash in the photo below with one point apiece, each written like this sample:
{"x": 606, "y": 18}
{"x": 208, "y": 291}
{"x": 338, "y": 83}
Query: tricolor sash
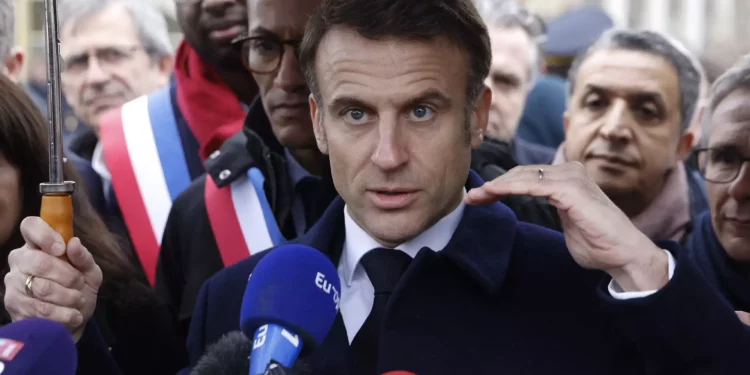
{"x": 143, "y": 152}
{"x": 241, "y": 218}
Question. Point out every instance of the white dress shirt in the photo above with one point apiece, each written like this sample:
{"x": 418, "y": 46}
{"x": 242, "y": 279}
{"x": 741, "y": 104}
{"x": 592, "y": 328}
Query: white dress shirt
{"x": 357, "y": 292}
{"x": 100, "y": 167}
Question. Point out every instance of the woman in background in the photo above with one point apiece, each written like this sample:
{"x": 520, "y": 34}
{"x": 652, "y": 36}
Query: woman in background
{"x": 128, "y": 322}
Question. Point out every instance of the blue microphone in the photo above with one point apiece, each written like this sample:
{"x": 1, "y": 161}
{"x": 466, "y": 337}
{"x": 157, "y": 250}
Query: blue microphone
{"x": 290, "y": 303}
{"x": 37, "y": 346}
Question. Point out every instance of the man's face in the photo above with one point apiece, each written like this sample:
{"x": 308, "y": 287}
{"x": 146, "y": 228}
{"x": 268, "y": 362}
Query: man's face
{"x": 105, "y": 64}
{"x": 730, "y": 202}
{"x": 509, "y": 79}
{"x": 623, "y": 122}
{"x": 284, "y": 92}
{"x": 209, "y": 26}
{"x": 392, "y": 118}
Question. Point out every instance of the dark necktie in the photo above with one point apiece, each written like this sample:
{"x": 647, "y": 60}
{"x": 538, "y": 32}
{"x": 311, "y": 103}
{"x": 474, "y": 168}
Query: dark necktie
{"x": 384, "y": 267}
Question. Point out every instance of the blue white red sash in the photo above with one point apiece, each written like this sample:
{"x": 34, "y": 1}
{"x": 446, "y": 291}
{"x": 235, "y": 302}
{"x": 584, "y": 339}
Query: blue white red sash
{"x": 241, "y": 218}
{"x": 143, "y": 152}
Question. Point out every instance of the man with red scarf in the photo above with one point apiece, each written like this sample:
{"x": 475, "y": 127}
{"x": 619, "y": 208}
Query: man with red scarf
{"x": 155, "y": 145}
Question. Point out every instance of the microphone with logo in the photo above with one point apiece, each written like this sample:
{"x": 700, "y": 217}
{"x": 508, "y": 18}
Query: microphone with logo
{"x": 37, "y": 346}
{"x": 290, "y": 303}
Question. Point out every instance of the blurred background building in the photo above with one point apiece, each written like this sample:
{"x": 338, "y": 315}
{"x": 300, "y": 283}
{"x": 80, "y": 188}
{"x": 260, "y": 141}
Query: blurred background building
{"x": 714, "y": 29}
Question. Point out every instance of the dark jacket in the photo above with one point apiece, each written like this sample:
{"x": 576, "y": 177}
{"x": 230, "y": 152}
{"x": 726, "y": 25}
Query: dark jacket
{"x": 131, "y": 333}
{"x": 186, "y": 261}
{"x": 492, "y": 159}
{"x": 527, "y": 153}
{"x": 507, "y": 296}
{"x": 723, "y": 273}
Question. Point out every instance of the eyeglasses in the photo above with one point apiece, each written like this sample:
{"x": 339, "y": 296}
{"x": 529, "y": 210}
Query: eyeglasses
{"x": 105, "y": 56}
{"x": 720, "y": 165}
{"x": 263, "y": 54}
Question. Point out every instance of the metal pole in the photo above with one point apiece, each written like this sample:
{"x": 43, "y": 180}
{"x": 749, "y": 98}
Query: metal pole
{"x": 57, "y": 202}
{"x": 52, "y": 47}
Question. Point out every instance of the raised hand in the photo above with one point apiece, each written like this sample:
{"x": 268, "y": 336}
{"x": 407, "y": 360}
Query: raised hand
{"x": 39, "y": 284}
{"x": 598, "y": 234}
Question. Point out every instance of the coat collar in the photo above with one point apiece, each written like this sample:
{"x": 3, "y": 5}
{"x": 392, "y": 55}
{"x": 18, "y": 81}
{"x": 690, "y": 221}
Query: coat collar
{"x": 481, "y": 245}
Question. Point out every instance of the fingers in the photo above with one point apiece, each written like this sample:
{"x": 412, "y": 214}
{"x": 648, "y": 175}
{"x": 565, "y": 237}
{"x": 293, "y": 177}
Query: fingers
{"x": 744, "y": 317}
{"x": 45, "y": 290}
{"x": 40, "y": 264}
{"x": 20, "y": 307}
{"x": 528, "y": 180}
{"x": 40, "y": 236}
{"x": 82, "y": 259}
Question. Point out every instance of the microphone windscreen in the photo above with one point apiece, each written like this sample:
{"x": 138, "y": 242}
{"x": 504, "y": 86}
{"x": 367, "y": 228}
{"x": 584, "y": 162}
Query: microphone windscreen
{"x": 228, "y": 356}
{"x": 296, "y": 287}
{"x": 37, "y": 346}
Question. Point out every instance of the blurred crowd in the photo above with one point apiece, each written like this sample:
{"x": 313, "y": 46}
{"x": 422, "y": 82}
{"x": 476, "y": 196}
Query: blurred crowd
{"x": 190, "y": 161}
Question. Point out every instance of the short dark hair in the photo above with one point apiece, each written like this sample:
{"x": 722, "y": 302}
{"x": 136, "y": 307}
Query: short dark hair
{"x": 688, "y": 76}
{"x": 457, "y": 20}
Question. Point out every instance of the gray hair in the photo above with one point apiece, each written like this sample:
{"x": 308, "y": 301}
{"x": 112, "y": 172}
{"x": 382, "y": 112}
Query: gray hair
{"x": 688, "y": 75}
{"x": 149, "y": 21}
{"x": 496, "y": 15}
{"x": 7, "y": 27}
{"x": 737, "y": 77}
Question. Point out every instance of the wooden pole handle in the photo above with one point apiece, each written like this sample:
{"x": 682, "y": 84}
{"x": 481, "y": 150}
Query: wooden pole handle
{"x": 57, "y": 211}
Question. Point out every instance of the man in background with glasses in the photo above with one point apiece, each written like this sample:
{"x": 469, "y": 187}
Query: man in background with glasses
{"x": 720, "y": 242}
{"x": 266, "y": 184}
{"x": 148, "y": 148}
{"x": 113, "y": 51}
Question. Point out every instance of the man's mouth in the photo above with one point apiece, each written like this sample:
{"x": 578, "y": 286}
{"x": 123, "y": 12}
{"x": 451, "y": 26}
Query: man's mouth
{"x": 392, "y": 199}
{"x": 615, "y": 159}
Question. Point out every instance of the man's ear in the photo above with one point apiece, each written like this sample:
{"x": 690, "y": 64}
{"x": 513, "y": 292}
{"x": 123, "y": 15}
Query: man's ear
{"x": 316, "y": 115}
{"x": 480, "y": 116}
{"x": 566, "y": 122}
{"x": 13, "y": 64}
{"x": 696, "y": 128}
{"x": 165, "y": 66}
{"x": 685, "y": 147}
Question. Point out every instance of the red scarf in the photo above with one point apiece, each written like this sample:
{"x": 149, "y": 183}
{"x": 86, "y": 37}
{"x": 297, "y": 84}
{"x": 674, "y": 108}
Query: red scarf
{"x": 212, "y": 111}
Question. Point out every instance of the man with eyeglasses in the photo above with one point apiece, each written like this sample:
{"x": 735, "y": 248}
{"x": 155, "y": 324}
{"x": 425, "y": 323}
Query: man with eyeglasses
{"x": 151, "y": 131}
{"x": 720, "y": 242}
{"x": 113, "y": 51}
{"x": 266, "y": 184}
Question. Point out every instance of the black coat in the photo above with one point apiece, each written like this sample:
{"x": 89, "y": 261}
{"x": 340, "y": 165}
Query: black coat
{"x": 506, "y": 297}
{"x": 131, "y": 333}
{"x": 189, "y": 254}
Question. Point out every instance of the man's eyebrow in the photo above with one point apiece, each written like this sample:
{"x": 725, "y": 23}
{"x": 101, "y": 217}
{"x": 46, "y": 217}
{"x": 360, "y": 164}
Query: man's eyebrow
{"x": 262, "y": 31}
{"x": 346, "y": 101}
{"x": 640, "y": 94}
{"x": 430, "y": 95}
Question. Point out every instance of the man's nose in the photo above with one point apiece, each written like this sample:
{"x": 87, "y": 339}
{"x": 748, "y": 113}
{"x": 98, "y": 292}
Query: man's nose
{"x": 391, "y": 151}
{"x": 95, "y": 73}
{"x": 616, "y": 126}
{"x": 739, "y": 189}
{"x": 289, "y": 76}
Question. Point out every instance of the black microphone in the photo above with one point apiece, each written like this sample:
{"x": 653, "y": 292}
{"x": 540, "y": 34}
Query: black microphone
{"x": 230, "y": 356}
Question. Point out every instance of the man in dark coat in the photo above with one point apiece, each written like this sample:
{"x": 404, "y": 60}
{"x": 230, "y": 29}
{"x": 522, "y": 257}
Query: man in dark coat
{"x": 475, "y": 290}
{"x": 720, "y": 242}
